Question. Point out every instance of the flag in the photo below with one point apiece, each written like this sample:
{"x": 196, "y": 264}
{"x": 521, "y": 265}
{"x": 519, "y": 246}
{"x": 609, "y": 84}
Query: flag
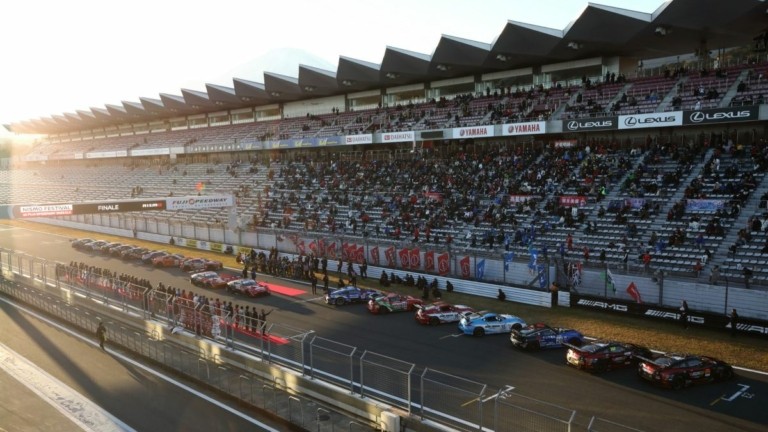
{"x": 633, "y": 292}
{"x": 443, "y": 264}
{"x": 464, "y": 265}
{"x": 575, "y": 273}
{"x": 389, "y": 254}
{"x": 541, "y": 271}
{"x": 313, "y": 247}
{"x": 610, "y": 281}
{"x": 331, "y": 250}
{"x": 429, "y": 261}
{"x": 345, "y": 251}
{"x": 480, "y": 269}
{"x": 360, "y": 254}
{"x": 508, "y": 257}
{"x": 374, "y": 252}
{"x": 415, "y": 258}
{"x": 405, "y": 259}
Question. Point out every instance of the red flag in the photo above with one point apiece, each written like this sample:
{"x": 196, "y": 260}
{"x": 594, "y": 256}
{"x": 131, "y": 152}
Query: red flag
{"x": 405, "y": 260}
{"x": 464, "y": 264}
{"x": 300, "y": 247}
{"x": 429, "y": 261}
{"x": 374, "y": 252}
{"x": 359, "y": 254}
{"x": 331, "y": 250}
{"x": 443, "y": 264}
{"x": 313, "y": 247}
{"x": 633, "y": 292}
{"x": 415, "y": 258}
{"x": 389, "y": 254}
{"x": 321, "y": 246}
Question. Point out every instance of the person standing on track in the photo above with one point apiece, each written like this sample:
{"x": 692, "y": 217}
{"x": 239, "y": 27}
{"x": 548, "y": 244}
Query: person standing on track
{"x": 101, "y": 334}
{"x": 263, "y": 321}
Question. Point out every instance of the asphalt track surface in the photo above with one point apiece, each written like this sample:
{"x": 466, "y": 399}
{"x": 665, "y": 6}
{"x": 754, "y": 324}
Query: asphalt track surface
{"x": 619, "y": 396}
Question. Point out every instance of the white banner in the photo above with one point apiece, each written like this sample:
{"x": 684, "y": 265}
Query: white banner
{"x": 472, "y": 132}
{"x": 391, "y": 137}
{"x": 151, "y": 151}
{"x": 45, "y": 210}
{"x": 198, "y": 202}
{"x": 528, "y": 128}
{"x": 637, "y": 121}
{"x": 106, "y": 154}
{"x": 358, "y": 139}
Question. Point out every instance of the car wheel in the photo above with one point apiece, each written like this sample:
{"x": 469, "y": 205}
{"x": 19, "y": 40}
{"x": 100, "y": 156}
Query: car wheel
{"x": 340, "y": 301}
{"x": 600, "y": 366}
{"x": 383, "y": 310}
{"x": 725, "y": 374}
{"x": 532, "y": 346}
{"x": 516, "y": 326}
{"x": 433, "y": 321}
{"x": 479, "y": 332}
{"x": 678, "y": 382}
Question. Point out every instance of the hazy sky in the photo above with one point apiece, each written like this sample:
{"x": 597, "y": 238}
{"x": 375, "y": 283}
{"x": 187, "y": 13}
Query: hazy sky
{"x": 66, "y": 55}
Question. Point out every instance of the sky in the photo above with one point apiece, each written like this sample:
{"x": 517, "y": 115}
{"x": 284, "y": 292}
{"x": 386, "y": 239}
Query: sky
{"x": 62, "y": 56}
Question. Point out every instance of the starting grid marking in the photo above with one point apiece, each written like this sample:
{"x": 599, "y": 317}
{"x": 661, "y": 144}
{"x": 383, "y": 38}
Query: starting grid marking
{"x": 742, "y": 392}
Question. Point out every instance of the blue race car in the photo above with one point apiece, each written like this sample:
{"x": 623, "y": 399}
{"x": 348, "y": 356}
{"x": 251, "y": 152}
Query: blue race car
{"x": 482, "y": 323}
{"x": 540, "y": 335}
{"x": 350, "y": 294}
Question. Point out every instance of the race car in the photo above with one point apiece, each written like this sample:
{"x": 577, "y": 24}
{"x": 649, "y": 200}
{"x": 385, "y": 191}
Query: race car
{"x": 116, "y": 251}
{"x": 107, "y": 248}
{"x": 95, "y": 246}
{"x": 605, "y": 355}
{"x": 151, "y": 255}
{"x": 200, "y": 264}
{"x": 219, "y": 281}
{"x": 168, "y": 260}
{"x": 350, "y": 294}
{"x": 482, "y": 323}
{"x": 198, "y": 279}
{"x": 537, "y": 336}
{"x": 393, "y": 302}
{"x": 81, "y": 244}
{"x": 677, "y": 371}
{"x": 248, "y": 287}
{"x": 441, "y": 312}
{"x": 134, "y": 253}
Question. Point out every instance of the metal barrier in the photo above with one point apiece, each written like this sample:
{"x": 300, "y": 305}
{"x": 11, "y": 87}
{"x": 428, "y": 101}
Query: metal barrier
{"x": 74, "y": 293}
{"x": 597, "y": 424}
{"x": 450, "y": 399}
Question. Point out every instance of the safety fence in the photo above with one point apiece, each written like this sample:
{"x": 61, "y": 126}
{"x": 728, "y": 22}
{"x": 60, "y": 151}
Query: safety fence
{"x": 73, "y": 294}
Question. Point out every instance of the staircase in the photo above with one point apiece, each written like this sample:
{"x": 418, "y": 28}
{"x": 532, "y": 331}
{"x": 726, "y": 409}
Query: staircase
{"x": 731, "y": 93}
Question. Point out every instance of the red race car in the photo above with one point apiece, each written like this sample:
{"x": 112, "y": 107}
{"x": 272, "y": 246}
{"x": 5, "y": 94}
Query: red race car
{"x": 677, "y": 371}
{"x": 168, "y": 260}
{"x": 441, "y": 312}
{"x": 393, "y": 302}
{"x": 601, "y": 356}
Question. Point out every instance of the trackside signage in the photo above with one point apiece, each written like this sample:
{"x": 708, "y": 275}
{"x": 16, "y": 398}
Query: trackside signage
{"x": 528, "y": 128}
{"x": 392, "y": 137}
{"x": 199, "y": 202}
{"x": 721, "y": 115}
{"x": 472, "y": 132}
{"x": 651, "y": 120}
{"x": 591, "y": 124}
{"x": 358, "y": 139}
{"x": 649, "y": 311}
{"x": 43, "y": 210}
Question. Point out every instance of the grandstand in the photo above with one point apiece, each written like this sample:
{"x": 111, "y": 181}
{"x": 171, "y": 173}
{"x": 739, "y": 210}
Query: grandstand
{"x": 477, "y": 154}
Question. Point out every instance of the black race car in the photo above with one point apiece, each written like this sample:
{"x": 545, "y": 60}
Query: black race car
{"x": 538, "y": 336}
{"x": 677, "y": 371}
{"x": 601, "y": 356}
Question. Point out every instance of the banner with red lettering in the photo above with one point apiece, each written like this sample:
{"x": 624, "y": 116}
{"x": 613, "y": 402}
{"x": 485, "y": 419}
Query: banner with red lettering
{"x": 389, "y": 254}
{"x": 331, "y": 251}
{"x": 359, "y": 254}
{"x": 405, "y": 259}
{"x": 345, "y": 251}
{"x": 633, "y": 292}
{"x": 434, "y": 196}
{"x": 464, "y": 265}
{"x": 415, "y": 258}
{"x": 374, "y": 253}
{"x": 429, "y": 261}
{"x": 573, "y": 201}
{"x": 443, "y": 264}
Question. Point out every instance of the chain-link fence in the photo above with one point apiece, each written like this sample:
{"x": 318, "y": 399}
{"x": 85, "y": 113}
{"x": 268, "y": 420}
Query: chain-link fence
{"x": 386, "y": 378}
{"x": 597, "y": 424}
{"x": 450, "y": 399}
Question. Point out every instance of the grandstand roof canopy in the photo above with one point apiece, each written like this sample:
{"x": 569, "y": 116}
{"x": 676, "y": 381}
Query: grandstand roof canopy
{"x": 676, "y": 27}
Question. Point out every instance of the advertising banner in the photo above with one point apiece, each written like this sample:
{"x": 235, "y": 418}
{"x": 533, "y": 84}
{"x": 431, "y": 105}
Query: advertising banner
{"x": 528, "y": 128}
{"x": 199, "y": 202}
{"x": 429, "y": 261}
{"x": 443, "y": 264}
{"x": 393, "y": 137}
{"x": 472, "y": 132}
{"x": 591, "y": 124}
{"x": 573, "y": 201}
{"x": 721, "y": 115}
{"x": 651, "y": 120}
{"x": 358, "y": 139}
{"x": 708, "y": 205}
